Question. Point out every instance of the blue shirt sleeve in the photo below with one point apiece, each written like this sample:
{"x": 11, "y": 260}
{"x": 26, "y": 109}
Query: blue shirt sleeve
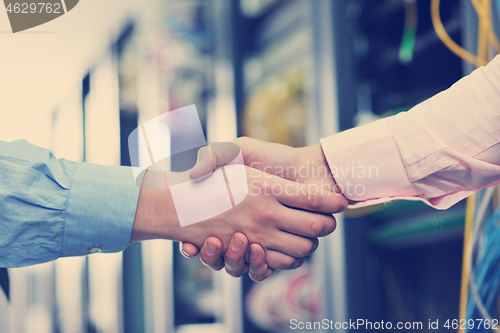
{"x": 51, "y": 208}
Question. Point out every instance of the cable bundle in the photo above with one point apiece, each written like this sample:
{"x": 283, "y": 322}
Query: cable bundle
{"x": 484, "y": 280}
{"x": 487, "y": 40}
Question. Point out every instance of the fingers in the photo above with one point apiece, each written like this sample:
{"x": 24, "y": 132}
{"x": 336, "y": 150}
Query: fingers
{"x": 258, "y": 268}
{"x": 278, "y": 260}
{"x": 188, "y": 250}
{"x": 234, "y": 260}
{"x": 306, "y": 224}
{"x": 234, "y": 257}
{"x": 211, "y": 157}
{"x": 293, "y": 245}
{"x": 309, "y": 197}
{"x": 211, "y": 254}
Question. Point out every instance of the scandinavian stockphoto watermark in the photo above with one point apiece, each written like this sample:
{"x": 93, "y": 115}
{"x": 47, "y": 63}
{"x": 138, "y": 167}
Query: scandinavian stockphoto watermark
{"x": 26, "y": 14}
{"x": 152, "y": 146}
{"x": 323, "y": 177}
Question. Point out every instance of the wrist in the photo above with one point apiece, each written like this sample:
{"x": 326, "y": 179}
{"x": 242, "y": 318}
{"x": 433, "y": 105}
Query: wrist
{"x": 313, "y": 155}
{"x": 155, "y": 216}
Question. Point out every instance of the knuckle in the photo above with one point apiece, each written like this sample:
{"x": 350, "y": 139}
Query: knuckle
{"x": 315, "y": 228}
{"x": 313, "y": 200}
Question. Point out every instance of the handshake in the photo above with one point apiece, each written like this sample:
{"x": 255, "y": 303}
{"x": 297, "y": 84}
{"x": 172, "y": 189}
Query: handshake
{"x": 290, "y": 202}
{"x": 274, "y": 228}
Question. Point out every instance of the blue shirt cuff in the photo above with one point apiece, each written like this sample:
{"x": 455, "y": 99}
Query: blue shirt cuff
{"x": 100, "y": 210}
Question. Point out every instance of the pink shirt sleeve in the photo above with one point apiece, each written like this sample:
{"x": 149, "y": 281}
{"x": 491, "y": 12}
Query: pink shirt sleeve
{"x": 439, "y": 152}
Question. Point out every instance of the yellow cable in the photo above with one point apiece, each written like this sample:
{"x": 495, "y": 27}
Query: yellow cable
{"x": 483, "y": 29}
{"x": 446, "y": 39}
{"x": 482, "y": 42}
{"x": 467, "y": 255}
{"x": 489, "y": 32}
{"x": 486, "y": 41}
{"x": 492, "y": 37}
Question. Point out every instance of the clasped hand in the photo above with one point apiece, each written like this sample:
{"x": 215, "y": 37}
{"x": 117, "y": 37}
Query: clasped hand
{"x": 269, "y": 231}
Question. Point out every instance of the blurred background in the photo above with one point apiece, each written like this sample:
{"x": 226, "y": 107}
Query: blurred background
{"x": 288, "y": 71}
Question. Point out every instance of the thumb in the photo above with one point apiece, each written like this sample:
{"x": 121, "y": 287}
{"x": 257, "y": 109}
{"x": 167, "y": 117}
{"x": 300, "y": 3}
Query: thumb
{"x": 217, "y": 154}
{"x": 188, "y": 250}
{"x": 205, "y": 165}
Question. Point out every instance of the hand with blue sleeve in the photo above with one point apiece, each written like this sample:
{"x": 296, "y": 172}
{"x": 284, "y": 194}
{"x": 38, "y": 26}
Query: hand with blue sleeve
{"x": 51, "y": 208}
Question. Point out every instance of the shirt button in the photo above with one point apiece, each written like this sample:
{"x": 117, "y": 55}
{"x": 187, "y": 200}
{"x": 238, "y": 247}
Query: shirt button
{"x": 96, "y": 249}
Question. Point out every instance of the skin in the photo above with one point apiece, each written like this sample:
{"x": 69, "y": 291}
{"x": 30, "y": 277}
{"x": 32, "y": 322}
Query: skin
{"x": 285, "y": 226}
{"x": 272, "y": 158}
